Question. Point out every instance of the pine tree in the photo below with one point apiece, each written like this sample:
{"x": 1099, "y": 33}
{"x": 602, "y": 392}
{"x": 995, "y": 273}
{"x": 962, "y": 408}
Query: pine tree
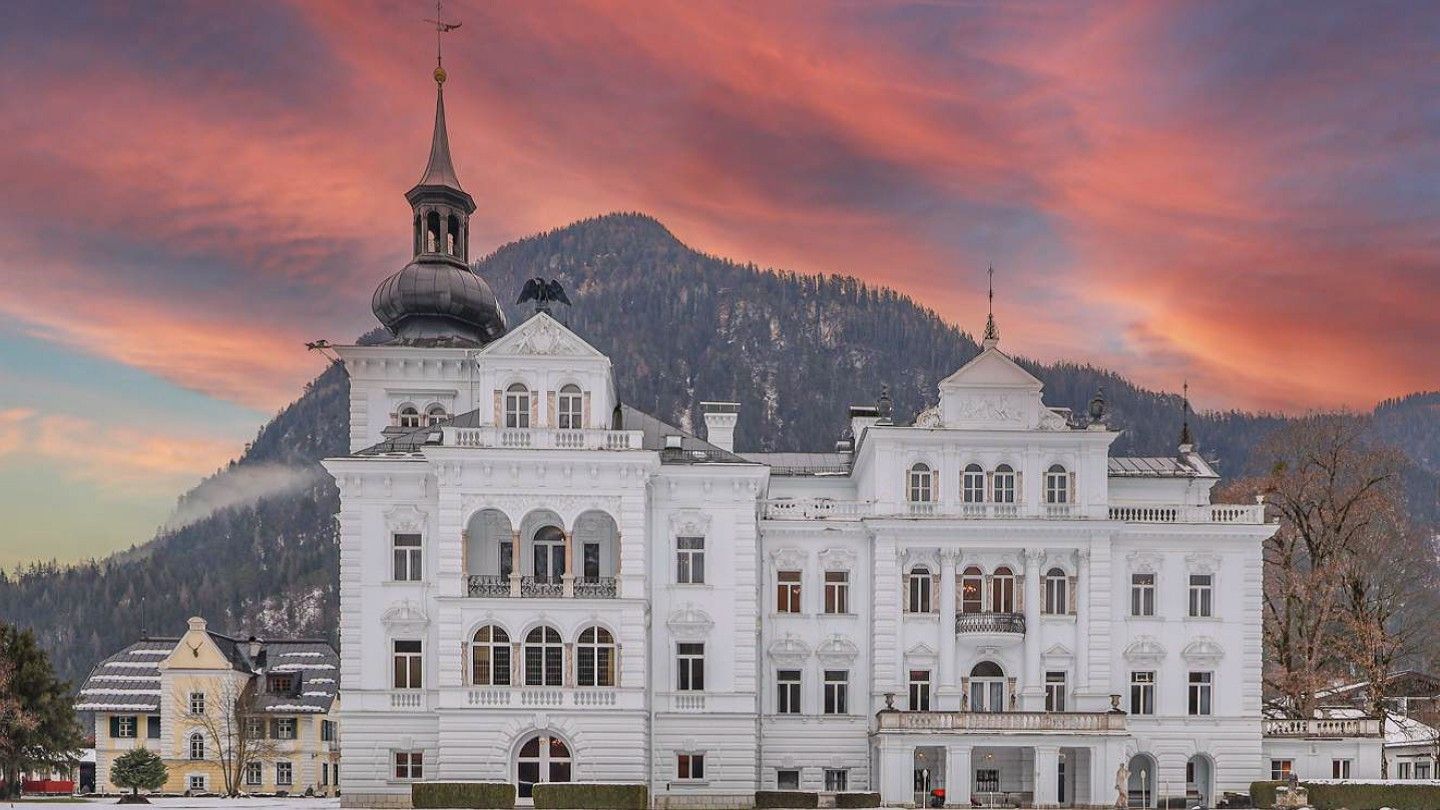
{"x": 40, "y": 730}
{"x": 136, "y": 769}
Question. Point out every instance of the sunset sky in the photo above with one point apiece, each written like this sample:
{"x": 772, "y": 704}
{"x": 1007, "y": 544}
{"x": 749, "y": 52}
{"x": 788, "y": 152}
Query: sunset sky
{"x": 1243, "y": 194}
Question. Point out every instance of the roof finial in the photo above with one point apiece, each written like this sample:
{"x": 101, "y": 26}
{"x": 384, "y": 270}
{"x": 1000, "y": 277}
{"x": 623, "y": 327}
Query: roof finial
{"x": 1187, "y": 441}
{"x": 441, "y": 27}
{"x": 992, "y": 335}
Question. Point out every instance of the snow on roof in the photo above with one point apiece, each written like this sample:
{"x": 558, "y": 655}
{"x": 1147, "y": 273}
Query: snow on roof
{"x": 294, "y": 707}
{"x": 134, "y": 664}
{"x": 1402, "y": 730}
{"x": 302, "y": 655}
{"x": 104, "y": 691}
{"x": 321, "y": 680}
{"x": 300, "y": 667}
{"x": 116, "y": 707}
{"x": 161, "y": 653}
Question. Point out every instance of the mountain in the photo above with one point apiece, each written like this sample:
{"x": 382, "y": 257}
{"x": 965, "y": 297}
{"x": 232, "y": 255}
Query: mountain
{"x": 254, "y": 547}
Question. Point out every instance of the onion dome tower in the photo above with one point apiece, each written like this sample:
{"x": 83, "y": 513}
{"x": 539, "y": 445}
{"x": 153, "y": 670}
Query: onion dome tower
{"x": 436, "y": 300}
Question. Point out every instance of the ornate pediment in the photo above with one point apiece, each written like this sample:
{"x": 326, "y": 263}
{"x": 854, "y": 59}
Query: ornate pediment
{"x": 788, "y": 559}
{"x": 1057, "y": 653}
{"x": 690, "y": 523}
{"x": 1202, "y": 563}
{"x": 690, "y": 623}
{"x": 1143, "y": 562}
{"x": 405, "y": 618}
{"x": 1203, "y": 650}
{"x": 992, "y": 391}
{"x": 837, "y": 650}
{"x": 789, "y": 650}
{"x": 921, "y": 653}
{"x": 837, "y": 559}
{"x": 405, "y": 519}
{"x": 1145, "y": 649}
{"x": 541, "y": 335}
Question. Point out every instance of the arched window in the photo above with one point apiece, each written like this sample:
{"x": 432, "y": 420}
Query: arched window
{"x": 544, "y": 657}
{"x": 987, "y": 687}
{"x": 418, "y": 237}
{"x": 490, "y": 657}
{"x": 920, "y": 596}
{"x": 517, "y": 406}
{"x": 972, "y": 484}
{"x": 548, "y": 552}
{"x": 435, "y": 414}
{"x": 1002, "y": 591}
{"x": 542, "y": 759}
{"x": 1004, "y": 484}
{"x": 595, "y": 658}
{"x": 972, "y": 590}
{"x": 571, "y": 413}
{"x": 408, "y": 416}
{"x": 1057, "y": 597}
{"x": 1057, "y": 484}
{"x": 452, "y": 236}
{"x": 197, "y": 746}
{"x": 921, "y": 479}
{"x": 432, "y": 232}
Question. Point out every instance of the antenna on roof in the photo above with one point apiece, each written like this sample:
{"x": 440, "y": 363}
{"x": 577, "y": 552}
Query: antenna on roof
{"x": 1187, "y": 441}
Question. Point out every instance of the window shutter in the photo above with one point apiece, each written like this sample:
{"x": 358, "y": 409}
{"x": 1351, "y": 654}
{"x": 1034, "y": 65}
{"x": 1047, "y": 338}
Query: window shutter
{"x": 114, "y": 726}
{"x": 1070, "y": 490}
{"x": 274, "y": 729}
{"x": 152, "y": 727}
{"x": 1070, "y": 608}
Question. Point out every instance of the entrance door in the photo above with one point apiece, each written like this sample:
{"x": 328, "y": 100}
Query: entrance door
{"x": 549, "y": 550}
{"x": 1060, "y": 783}
{"x": 541, "y": 759}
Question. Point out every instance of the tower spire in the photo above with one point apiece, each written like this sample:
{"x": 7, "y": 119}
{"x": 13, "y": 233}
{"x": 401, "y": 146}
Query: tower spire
{"x": 992, "y": 334}
{"x": 440, "y": 169}
{"x": 1187, "y": 441}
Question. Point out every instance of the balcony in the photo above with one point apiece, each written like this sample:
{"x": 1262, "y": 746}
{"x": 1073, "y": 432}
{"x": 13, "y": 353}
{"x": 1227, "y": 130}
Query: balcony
{"x": 1009, "y": 722}
{"x": 542, "y": 438}
{"x": 1210, "y": 513}
{"x": 966, "y": 623}
{"x": 830, "y": 509}
{"x": 490, "y": 586}
{"x": 1318, "y": 727}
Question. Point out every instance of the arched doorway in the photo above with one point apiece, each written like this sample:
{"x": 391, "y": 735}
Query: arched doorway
{"x": 488, "y": 551}
{"x": 541, "y": 759}
{"x": 987, "y": 687}
{"x": 1199, "y": 781}
{"x": 1142, "y": 781}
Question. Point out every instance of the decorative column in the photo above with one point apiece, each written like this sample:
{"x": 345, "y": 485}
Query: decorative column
{"x": 1047, "y": 775}
{"x": 1082, "y": 622}
{"x": 567, "y": 579}
{"x": 465, "y": 557}
{"x": 897, "y": 773}
{"x": 948, "y": 558}
{"x": 1033, "y": 690}
{"x": 958, "y": 775}
{"x": 515, "y": 563}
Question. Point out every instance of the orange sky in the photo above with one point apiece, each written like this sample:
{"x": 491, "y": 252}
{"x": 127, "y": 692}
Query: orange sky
{"x": 1244, "y": 196}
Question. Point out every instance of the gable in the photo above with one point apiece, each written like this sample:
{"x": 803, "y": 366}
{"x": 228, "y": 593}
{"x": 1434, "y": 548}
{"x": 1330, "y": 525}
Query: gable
{"x": 541, "y": 336}
{"x": 196, "y": 650}
{"x": 992, "y": 368}
{"x": 992, "y": 392}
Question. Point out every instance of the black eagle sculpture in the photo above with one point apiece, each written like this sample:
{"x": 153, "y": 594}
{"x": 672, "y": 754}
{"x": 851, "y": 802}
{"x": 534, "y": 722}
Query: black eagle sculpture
{"x": 543, "y": 293}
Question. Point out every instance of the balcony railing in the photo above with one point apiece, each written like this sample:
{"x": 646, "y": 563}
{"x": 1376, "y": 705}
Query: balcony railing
{"x": 542, "y": 438}
{"x": 1318, "y": 727}
{"x": 829, "y": 509}
{"x": 541, "y": 696}
{"x": 1210, "y": 513}
{"x": 1034, "y": 722}
{"x": 492, "y": 586}
{"x": 990, "y": 623}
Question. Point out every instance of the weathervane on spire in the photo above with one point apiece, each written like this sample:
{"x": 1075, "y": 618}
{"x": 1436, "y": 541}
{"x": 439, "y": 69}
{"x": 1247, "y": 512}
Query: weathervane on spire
{"x": 992, "y": 335}
{"x": 441, "y": 27}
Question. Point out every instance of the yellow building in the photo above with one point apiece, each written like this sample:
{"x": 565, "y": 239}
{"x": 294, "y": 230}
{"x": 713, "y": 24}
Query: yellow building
{"x": 208, "y": 704}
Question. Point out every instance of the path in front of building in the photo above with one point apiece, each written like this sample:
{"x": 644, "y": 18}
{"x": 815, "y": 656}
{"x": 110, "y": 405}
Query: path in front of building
{"x": 259, "y": 803}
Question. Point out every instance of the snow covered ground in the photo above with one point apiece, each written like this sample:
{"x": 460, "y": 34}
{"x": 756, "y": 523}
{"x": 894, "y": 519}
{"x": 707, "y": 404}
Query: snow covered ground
{"x": 177, "y": 803}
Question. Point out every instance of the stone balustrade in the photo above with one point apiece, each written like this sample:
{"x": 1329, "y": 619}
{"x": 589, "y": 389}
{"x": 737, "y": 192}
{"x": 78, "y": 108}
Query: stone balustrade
{"x": 829, "y": 509}
{"x": 1014, "y": 722}
{"x": 1322, "y": 727}
{"x": 541, "y": 438}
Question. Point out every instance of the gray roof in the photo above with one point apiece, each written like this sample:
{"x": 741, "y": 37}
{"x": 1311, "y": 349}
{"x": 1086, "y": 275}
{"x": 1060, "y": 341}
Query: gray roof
{"x": 1152, "y": 467}
{"x": 129, "y": 680}
{"x": 440, "y": 169}
{"x": 803, "y": 463}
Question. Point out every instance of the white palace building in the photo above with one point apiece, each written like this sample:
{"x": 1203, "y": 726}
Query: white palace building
{"x": 540, "y": 583}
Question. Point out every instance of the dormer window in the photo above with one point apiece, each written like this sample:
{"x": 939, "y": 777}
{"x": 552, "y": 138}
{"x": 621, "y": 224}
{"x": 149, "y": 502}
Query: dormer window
{"x": 282, "y": 684}
{"x": 571, "y": 413}
{"x": 408, "y": 416}
{"x": 517, "y": 406}
{"x": 921, "y": 484}
{"x": 972, "y": 484}
{"x": 1004, "y": 484}
{"x": 436, "y": 415}
{"x": 1057, "y": 485}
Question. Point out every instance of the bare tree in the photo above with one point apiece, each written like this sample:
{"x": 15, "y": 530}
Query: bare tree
{"x": 234, "y": 732}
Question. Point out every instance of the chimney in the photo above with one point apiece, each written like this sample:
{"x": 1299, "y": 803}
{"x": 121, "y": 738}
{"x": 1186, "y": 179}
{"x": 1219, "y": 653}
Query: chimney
{"x": 197, "y": 623}
{"x": 254, "y": 648}
{"x": 720, "y": 419}
{"x": 862, "y": 418}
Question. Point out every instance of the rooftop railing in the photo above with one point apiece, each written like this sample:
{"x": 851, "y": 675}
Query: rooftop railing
{"x": 831, "y": 509}
{"x": 1064, "y": 722}
{"x": 542, "y": 438}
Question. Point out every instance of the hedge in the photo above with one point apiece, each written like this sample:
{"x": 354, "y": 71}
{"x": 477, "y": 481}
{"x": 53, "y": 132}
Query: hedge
{"x": 857, "y": 800}
{"x": 487, "y": 795}
{"x": 590, "y": 796}
{"x": 786, "y": 798}
{"x": 1355, "y": 795}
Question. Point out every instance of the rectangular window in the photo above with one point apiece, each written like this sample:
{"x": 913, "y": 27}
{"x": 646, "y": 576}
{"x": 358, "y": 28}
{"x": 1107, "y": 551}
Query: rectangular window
{"x": 1142, "y": 693}
{"x": 1402, "y": 770}
{"x": 690, "y": 561}
{"x": 920, "y": 582}
{"x": 1422, "y": 769}
{"x": 254, "y": 728}
{"x": 837, "y": 780}
{"x": 284, "y": 773}
{"x": 1142, "y": 594}
{"x": 919, "y": 690}
{"x": 152, "y": 727}
{"x": 837, "y": 592}
{"x": 690, "y": 665}
{"x": 1339, "y": 769}
{"x": 507, "y": 559}
{"x": 787, "y": 592}
{"x": 407, "y": 558}
{"x": 124, "y": 726}
{"x": 1200, "y": 685}
{"x": 284, "y": 728}
{"x": 281, "y": 684}
{"x": 407, "y": 665}
{"x": 1280, "y": 769}
{"x": 690, "y": 767}
{"x": 324, "y": 773}
{"x": 409, "y": 765}
{"x": 254, "y": 773}
{"x": 327, "y": 730}
{"x": 787, "y": 779}
{"x": 837, "y": 691}
{"x": 196, "y": 783}
{"x": 197, "y": 702}
{"x": 1055, "y": 691}
{"x": 787, "y": 691}
{"x": 1201, "y": 595}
